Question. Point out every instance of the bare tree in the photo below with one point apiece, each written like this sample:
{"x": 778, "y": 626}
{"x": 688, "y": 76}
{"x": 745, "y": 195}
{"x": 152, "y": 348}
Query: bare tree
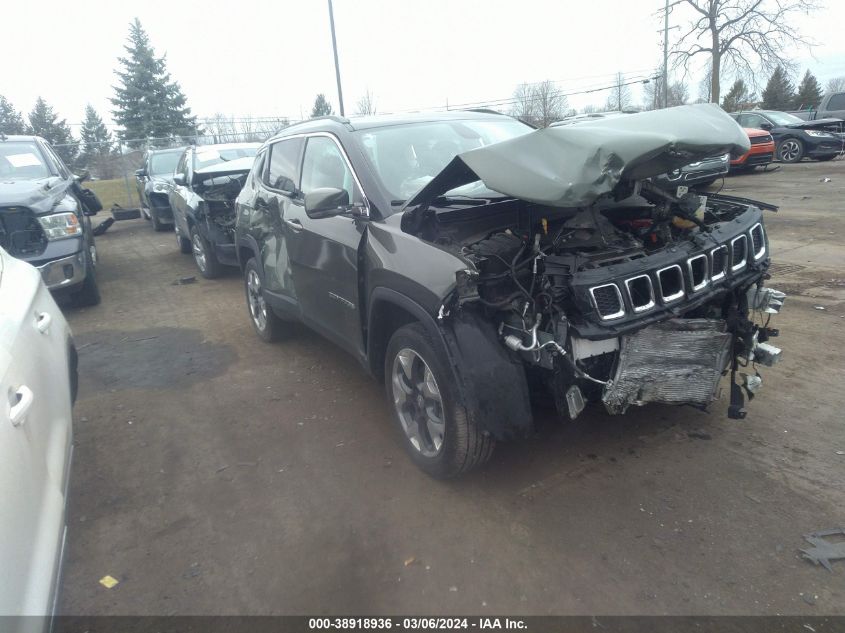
{"x": 677, "y": 94}
{"x": 705, "y": 86}
{"x": 837, "y": 84}
{"x": 550, "y": 102}
{"x": 620, "y": 94}
{"x": 523, "y": 107}
{"x": 590, "y": 109}
{"x": 366, "y": 104}
{"x": 740, "y": 36}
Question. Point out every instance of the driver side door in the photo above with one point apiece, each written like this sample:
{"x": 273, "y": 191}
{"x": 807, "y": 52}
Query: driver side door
{"x": 323, "y": 252}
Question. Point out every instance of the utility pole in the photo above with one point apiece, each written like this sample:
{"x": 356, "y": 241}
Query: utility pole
{"x": 336, "y": 63}
{"x": 665, "y": 54}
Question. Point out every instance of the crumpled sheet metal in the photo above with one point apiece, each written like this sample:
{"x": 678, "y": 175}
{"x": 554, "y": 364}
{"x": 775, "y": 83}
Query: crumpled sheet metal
{"x": 571, "y": 166}
{"x": 679, "y": 361}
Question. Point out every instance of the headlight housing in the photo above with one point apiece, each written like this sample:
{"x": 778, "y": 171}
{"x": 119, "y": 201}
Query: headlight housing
{"x": 818, "y": 134}
{"x": 159, "y": 186}
{"x": 60, "y": 225}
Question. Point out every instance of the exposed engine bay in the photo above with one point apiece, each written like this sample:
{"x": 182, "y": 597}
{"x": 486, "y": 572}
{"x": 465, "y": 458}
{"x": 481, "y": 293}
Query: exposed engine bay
{"x": 641, "y": 297}
{"x": 218, "y": 206}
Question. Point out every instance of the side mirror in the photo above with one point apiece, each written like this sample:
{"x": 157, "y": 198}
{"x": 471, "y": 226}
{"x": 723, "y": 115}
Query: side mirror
{"x": 765, "y": 125}
{"x": 179, "y": 180}
{"x": 140, "y": 173}
{"x": 326, "y": 202}
{"x": 83, "y": 175}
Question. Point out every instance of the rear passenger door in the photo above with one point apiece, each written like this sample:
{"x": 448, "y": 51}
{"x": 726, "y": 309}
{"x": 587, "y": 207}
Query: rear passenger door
{"x": 324, "y": 252}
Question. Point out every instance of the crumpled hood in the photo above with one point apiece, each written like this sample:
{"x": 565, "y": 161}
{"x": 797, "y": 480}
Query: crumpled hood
{"x": 226, "y": 168}
{"x": 571, "y": 166}
{"x": 39, "y": 195}
{"x": 817, "y": 123}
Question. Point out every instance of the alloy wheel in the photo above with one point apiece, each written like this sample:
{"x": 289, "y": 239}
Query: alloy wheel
{"x": 418, "y": 402}
{"x": 199, "y": 251}
{"x": 257, "y": 304}
{"x": 789, "y": 151}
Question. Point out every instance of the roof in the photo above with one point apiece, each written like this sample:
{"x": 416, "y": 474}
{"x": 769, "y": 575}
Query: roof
{"x": 385, "y": 120}
{"x": 201, "y": 148}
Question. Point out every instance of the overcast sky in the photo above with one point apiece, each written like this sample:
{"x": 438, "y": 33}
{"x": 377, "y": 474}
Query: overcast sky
{"x": 270, "y": 58}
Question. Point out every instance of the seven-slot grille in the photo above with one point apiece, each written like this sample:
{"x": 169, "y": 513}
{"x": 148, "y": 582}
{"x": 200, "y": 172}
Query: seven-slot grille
{"x": 672, "y": 283}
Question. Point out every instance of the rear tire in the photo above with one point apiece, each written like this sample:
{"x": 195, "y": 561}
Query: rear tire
{"x": 265, "y": 322}
{"x": 204, "y": 255}
{"x": 436, "y": 431}
{"x": 183, "y": 243}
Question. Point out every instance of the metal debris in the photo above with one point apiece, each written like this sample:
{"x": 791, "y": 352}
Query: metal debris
{"x": 823, "y": 551}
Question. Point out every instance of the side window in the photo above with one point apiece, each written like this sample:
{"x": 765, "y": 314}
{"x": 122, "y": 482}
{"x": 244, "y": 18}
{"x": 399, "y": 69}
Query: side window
{"x": 324, "y": 166}
{"x": 182, "y": 167}
{"x": 258, "y": 166}
{"x": 281, "y": 172}
{"x": 837, "y": 102}
{"x": 755, "y": 120}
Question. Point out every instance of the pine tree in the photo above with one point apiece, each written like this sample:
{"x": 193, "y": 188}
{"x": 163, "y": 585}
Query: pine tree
{"x": 809, "y": 94}
{"x": 779, "y": 93}
{"x": 97, "y": 143}
{"x": 321, "y": 106}
{"x": 11, "y": 121}
{"x": 45, "y": 123}
{"x": 738, "y": 97}
{"x": 147, "y": 103}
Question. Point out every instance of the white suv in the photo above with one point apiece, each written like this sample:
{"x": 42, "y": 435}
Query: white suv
{"x": 38, "y": 379}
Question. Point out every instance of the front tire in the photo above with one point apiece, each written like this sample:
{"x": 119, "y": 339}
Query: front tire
{"x": 183, "y": 243}
{"x": 89, "y": 292}
{"x": 265, "y": 322}
{"x": 157, "y": 224}
{"x": 204, "y": 255}
{"x": 436, "y": 431}
{"x": 790, "y": 150}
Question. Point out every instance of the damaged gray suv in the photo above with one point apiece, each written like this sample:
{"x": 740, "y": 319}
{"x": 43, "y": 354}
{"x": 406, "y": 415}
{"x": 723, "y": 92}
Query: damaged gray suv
{"x": 462, "y": 256}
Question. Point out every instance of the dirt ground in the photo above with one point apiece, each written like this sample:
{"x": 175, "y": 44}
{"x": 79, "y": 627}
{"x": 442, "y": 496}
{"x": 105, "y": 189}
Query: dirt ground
{"x": 215, "y": 474}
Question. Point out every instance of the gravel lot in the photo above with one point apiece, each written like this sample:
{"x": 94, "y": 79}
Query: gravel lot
{"x": 215, "y": 474}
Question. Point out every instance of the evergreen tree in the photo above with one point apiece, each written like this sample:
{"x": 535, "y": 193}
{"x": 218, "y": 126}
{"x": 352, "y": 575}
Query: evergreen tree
{"x": 779, "y": 93}
{"x": 147, "y": 103}
{"x": 321, "y": 106}
{"x": 97, "y": 141}
{"x": 45, "y": 123}
{"x": 809, "y": 94}
{"x": 738, "y": 97}
{"x": 11, "y": 121}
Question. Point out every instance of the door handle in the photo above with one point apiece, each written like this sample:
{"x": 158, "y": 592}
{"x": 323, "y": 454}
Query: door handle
{"x": 43, "y": 321}
{"x": 294, "y": 224}
{"x": 18, "y": 411}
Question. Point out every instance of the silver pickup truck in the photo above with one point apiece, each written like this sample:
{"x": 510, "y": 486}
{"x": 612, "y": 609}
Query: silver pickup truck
{"x": 831, "y": 107}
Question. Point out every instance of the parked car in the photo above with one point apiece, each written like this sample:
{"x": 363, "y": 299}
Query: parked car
{"x": 831, "y": 107}
{"x": 38, "y": 378}
{"x": 154, "y": 179}
{"x": 762, "y": 151}
{"x": 796, "y": 139}
{"x": 205, "y": 184}
{"x": 456, "y": 254}
{"x": 698, "y": 174}
{"x": 44, "y": 217}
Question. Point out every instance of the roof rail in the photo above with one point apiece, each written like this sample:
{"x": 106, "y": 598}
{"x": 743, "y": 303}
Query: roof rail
{"x": 485, "y": 111}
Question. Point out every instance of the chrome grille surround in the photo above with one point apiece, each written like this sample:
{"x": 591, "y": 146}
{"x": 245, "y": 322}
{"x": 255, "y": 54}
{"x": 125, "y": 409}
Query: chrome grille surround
{"x": 757, "y": 230}
{"x": 692, "y": 276}
{"x": 716, "y": 276}
{"x": 613, "y": 315}
{"x": 646, "y": 306}
{"x": 739, "y": 265}
{"x": 661, "y": 283}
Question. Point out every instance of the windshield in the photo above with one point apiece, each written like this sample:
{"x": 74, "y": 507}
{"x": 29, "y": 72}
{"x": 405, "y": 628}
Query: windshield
{"x": 22, "y": 161}
{"x": 164, "y": 164}
{"x": 206, "y": 157}
{"x": 407, "y": 157}
{"x": 783, "y": 118}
